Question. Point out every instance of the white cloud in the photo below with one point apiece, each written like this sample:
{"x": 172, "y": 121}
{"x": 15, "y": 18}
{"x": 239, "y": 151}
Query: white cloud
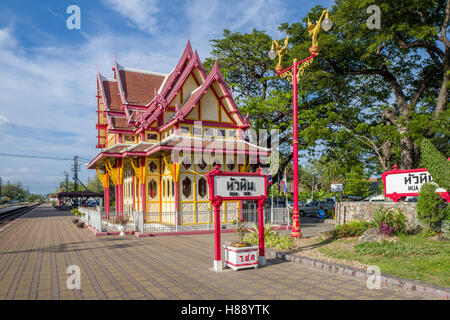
{"x": 142, "y": 13}
{"x": 4, "y": 120}
{"x": 6, "y": 40}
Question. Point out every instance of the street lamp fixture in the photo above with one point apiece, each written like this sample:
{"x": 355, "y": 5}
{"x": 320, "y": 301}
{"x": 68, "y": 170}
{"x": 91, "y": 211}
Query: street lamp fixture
{"x": 293, "y": 73}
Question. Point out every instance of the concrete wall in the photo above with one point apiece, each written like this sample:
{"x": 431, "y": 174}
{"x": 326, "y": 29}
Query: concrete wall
{"x": 349, "y": 211}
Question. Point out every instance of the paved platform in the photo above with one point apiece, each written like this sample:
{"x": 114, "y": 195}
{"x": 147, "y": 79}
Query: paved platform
{"x": 36, "y": 251}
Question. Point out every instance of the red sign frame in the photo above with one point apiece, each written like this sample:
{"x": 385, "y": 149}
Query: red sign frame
{"x": 397, "y": 196}
{"x": 217, "y": 201}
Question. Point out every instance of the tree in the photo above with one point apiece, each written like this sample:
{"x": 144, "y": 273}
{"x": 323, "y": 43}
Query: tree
{"x": 386, "y": 88}
{"x": 356, "y": 183}
{"x": 437, "y": 165}
{"x": 429, "y": 203}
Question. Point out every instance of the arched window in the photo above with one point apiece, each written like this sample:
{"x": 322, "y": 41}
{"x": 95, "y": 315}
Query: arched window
{"x": 164, "y": 188}
{"x": 187, "y": 187}
{"x": 168, "y": 188}
{"x": 152, "y": 166}
{"x": 202, "y": 164}
{"x": 173, "y": 189}
{"x": 202, "y": 187}
{"x": 152, "y": 189}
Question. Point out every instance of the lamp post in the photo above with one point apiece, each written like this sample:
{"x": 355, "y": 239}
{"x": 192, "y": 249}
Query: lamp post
{"x": 293, "y": 73}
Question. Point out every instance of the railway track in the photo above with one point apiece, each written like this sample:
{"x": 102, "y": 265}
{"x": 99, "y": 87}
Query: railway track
{"x": 7, "y": 215}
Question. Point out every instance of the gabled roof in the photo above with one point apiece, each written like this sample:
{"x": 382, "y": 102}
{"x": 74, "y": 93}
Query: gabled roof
{"x": 189, "y": 104}
{"x": 138, "y": 85}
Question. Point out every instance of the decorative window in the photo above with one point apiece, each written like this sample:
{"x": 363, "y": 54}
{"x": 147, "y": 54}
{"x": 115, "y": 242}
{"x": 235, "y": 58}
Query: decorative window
{"x": 202, "y": 164}
{"x": 187, "y": 187}
{"x": 209, "y": 132}
{"x": 202, "y": 187}
{"x": 152, "y": 166}
{"x": 231, "y": 166}
{"x": 197, "y": 131}
{"x": 164, "y": 188}
{"x": 152, "y": 188}
{"x": 186, "y": 163}
{"x": 185, "y": 130}
{"x": 168, "y": 188}
{"x": 173, "y": 189}
{"x": 129, "y": 138}
{"x": 220, "y": 132}
{"x": 152, "y": 136}
{"x": 232, "y": 133}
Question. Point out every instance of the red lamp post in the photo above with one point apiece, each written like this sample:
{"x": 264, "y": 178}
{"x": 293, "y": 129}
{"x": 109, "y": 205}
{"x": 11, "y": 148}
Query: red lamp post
{"x": 278, "y": 50}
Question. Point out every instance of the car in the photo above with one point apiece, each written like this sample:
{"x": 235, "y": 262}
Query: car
{"x": 376, "y": 198}
{"x": 351, "y": 198}
{"x": 312, "y": 208}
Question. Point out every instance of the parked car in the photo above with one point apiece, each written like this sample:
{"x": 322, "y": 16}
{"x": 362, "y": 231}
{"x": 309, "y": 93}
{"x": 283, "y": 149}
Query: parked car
{"x": 376, "y": 198}
{"x": 312, "y": 208}
{"x": 351, "y": 198}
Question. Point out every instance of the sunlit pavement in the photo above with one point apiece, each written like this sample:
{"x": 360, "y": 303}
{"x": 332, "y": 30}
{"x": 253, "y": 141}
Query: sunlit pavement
{"x": 36, "y": 251}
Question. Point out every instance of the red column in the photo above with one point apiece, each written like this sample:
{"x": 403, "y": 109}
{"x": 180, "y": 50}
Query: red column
{"x": 296, "y": 218}
{"x": 217, "y": 203}
{"x": 106, "y": 197}
{"x": 262, "y": 257}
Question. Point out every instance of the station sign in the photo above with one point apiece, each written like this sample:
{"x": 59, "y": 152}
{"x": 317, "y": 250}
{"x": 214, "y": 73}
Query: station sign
{"x": 404, "y": 183}
{"x": 239, "y": 186}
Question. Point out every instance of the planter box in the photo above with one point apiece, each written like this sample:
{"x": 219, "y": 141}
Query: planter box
{"x": 241, "y": 257}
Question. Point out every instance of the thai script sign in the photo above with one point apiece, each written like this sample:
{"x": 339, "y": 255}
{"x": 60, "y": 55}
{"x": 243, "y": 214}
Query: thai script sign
{"x": 408, "y": 182}
{"x": 236, "y": 186}
{"x": 403, "y": 183}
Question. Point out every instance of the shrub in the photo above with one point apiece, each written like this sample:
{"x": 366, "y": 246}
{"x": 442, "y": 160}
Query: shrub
{"x": 393, "y": 249}
{"x": 445, "y": 228}
{"x": 429, "y": 206}
{"x": 436, "y": 163}
{"x": 272, "y": 238}
{"x": 351, "y": 229}
{"x": 393, "y": 218}
{"x": 386, "y": 229}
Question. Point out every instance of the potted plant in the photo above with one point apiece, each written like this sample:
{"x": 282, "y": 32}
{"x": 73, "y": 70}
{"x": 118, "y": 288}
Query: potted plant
{"x": 122, "y": 220}
{"x": 240, "y": 254}
{"x": 76, "y": 213}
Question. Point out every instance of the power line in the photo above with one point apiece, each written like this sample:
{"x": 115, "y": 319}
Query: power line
{"x": 39, "y": 157}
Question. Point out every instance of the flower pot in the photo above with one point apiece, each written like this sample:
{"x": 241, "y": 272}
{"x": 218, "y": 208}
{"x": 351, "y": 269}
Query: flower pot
{"x": 238, "y": 257}
{"x": 122, "y": 230}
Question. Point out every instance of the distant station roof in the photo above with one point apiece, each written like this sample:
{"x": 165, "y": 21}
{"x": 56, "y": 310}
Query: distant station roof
{"x": 79, "y": 194}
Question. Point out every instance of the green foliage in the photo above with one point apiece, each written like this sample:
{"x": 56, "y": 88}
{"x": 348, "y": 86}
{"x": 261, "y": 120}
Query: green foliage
{"x": 351, "y": 229}
{"x": 436, "y": 163}
{"x": 357, "y": 183}
{"x": 393, "y": 249}
{"x": 394, "y": 218}
{"x": 240, "y": 229}
{"x": 429, "y": 206}
{"x": 445, "y": 227}
{"x": 77, "y": 213}
{"x": 272, "y": 238}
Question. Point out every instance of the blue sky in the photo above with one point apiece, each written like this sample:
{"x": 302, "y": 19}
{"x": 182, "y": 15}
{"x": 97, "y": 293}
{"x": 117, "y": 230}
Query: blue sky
{"x": 48, "y": 85}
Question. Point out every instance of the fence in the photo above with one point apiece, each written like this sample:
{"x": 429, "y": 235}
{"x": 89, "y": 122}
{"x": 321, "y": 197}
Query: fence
{"x": 156, "y": 222}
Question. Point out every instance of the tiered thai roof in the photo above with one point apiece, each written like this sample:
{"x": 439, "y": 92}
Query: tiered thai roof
{"x": 135, "y": 100}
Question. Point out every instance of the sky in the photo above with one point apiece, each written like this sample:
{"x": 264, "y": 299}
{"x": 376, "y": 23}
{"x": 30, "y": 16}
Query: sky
{"x": 48, "y": 71}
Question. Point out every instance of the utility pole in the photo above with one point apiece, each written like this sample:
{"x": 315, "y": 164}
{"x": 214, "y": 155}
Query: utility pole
{"x": 0, "y": 187}
{"x": 67, "y": 181}
{"x": 75, "y": 169}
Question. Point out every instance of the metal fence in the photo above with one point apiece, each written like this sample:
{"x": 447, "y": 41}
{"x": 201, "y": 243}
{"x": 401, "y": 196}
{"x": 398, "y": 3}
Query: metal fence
{"x": 156, "y": 222}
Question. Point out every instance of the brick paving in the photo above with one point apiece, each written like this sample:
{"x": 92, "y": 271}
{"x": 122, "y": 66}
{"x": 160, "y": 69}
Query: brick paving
{"x": 36, "y": 251}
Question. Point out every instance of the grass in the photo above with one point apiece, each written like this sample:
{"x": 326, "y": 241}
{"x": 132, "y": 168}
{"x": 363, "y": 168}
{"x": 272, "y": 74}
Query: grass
{"x": 413, "y": 257}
